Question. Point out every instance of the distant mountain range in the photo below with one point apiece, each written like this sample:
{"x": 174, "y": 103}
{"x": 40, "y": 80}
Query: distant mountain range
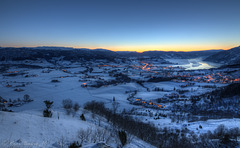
{"x": 231, "y": 56}
{"x": 170, "y": 54}
{"x": 48, "y": 53}
{"x": 226, "y": 57}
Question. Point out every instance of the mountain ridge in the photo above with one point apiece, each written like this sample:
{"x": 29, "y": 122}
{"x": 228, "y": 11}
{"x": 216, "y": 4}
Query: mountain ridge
{"x": 70, "y": 53}
{"x": 226, "y": 57}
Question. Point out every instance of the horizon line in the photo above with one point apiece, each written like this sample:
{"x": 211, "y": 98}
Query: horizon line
{"x": 140, "y": 51}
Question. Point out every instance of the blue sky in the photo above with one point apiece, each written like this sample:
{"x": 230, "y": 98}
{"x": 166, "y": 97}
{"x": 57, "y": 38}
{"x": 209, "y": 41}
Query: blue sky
{"x": 121, "y": 24}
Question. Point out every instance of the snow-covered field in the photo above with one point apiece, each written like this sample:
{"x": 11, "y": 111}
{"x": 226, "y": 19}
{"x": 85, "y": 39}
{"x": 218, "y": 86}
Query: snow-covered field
{"x": 41, "y": 88}
{"x": 32, "y": 130}
{"x": 26, "y": 127}
{"x": 29, "y": 129}
{"x": 209, "y": 125}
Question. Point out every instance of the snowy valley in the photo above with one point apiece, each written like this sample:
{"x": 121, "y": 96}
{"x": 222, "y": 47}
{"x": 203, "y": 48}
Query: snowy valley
{"x": 117, "y": 101}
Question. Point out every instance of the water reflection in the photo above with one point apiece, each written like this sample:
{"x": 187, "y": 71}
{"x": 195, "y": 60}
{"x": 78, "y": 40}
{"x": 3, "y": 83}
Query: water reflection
{"x": 194, "y": 64}
{"x": 199, "y": 65}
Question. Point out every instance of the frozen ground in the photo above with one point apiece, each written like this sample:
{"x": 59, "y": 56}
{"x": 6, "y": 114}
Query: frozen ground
{"x": 33, "y": 130}
{"x": 41, "y": 88}
{"x": 26, "y": 126}
{"x": 209, "y": 125}
{"x": 29, "y": 129}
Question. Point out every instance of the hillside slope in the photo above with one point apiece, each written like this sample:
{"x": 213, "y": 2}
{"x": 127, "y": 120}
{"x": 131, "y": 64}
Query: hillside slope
{"x": 226, "y": 57}
{"x": 29, "y": 129}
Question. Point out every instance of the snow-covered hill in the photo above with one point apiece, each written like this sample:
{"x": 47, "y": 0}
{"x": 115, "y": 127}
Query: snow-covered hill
{"x": 30, "y": 129}
{"x": 33, "y": 130}
{"x": 227, "y": 57}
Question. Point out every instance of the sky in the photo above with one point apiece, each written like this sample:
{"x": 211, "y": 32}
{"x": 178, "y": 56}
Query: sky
{"x": 121, "y": 25}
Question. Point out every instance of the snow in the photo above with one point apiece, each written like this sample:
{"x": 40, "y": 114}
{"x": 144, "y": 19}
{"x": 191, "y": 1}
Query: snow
{"x": 107, "y": 94}
{"x": 26, "y": 126}
{"x": 33, "y": 130}
{"x": 208, "y": 125}
{"x": 43, "y": 89}
{"x": 213, "y": 124}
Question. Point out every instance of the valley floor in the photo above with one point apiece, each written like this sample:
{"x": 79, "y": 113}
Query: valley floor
{"x": 26, "y": 126}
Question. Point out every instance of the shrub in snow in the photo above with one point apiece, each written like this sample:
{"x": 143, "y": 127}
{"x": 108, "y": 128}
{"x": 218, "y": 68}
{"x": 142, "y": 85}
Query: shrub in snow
{"x": 6, "y": 110}
{"x": 226, "y": 139}
{"x": 48, "y": 104}
{"x": 123, "y": 137}
{"x": 18, "y": 89}
{"x": 84, "y": 135}
{"x": 67, "y": 105}
{"x": 220, "y": 131}
{"x": 2, "y": 106}
{"x": 54, "y": 81}
{"x": 75, "y": 145}
{"x": 26, "y": 98}
{"x": 235, "y": 133}
{"x": 95, "y": 135}
{"x": 75, "y": 108}
{"x": 83, "y": 117}
{"x": 47, "y": 112}
{"x": 115, "y": 105}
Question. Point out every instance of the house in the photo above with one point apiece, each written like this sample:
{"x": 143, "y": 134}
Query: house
{"x": 3, "y": 100}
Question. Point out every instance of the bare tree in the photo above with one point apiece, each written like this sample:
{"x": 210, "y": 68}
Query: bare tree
{"x": 76, "y": 107}
{"x": 115, "y": 106}
{"x": 81, "y": 135}
{"x": 67, "y": 104}
{"x": 62, "y": 142}
{"x": 95, "y": 135}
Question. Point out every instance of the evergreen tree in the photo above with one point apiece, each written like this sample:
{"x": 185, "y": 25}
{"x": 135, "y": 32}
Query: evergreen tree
{"x": 83, "y": 117}
{"x": 47, "y": 112}
{"x": 123, "y": 137}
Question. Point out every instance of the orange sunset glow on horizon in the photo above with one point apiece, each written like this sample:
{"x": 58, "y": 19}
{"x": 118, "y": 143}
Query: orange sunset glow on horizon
{"x": 142, "y": 48}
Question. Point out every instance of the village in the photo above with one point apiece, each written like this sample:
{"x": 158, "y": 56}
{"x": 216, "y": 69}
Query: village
{"x": 153, "y": 91}
{"x": 119, "y": 74}
{"x": 150, "y": 75}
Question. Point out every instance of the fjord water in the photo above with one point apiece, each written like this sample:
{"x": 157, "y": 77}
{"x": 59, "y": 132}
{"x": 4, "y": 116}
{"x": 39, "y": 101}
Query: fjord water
{"x": 193, "y": 64}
